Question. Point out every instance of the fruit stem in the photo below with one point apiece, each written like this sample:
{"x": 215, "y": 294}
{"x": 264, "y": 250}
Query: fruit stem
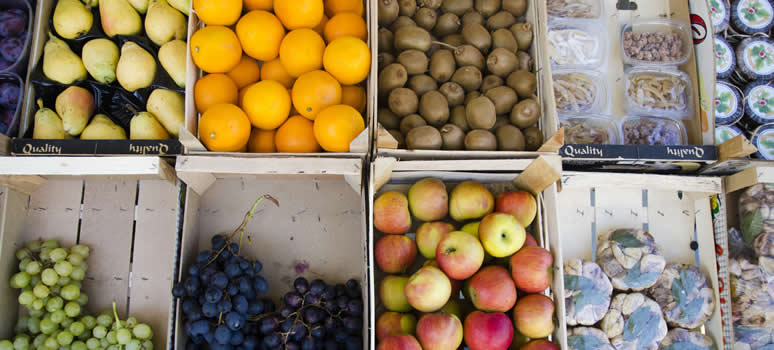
{"x": 131, "y": 109}
{"x": 241, "y": 229}
{"x": 115, "y": 314}
{"x": 40, "y": 103}
{"x": 445, "y": 44}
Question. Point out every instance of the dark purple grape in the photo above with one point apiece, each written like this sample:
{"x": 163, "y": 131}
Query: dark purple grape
{"x": 213, "y": 294}
{"x": 244, "y": 285}
{"x": 232, "y": 289}
{"x": 299, "y": 332}
{"x": 210, "y": 310}
{"x": 286, "y": 325}
{"x": 220, "y": 280}
{"x": 255, "y": 307}
{"x": 222, "y": 335}
{"x": 250, "y": 343}
{"x": 308, "y": 344}
{"x": 200, "y": 327}
{"x": 178, "y": 291}
{"x": 4, "y": 64}
{"x": 260, "y": 285}
{"x": 237, "y": 338}
{"x": 225, "y": 255}
{"x": 192, "y": 287}
{"x": 332, "y": 323}
{"x": 268, "y": 325}
{"x": 341, "y": 302}
{"x": 353, "y": 289}
{"x": 340, "y": 290}
{"x": 293, "y": 300}
{"x": 355, "y": 307}
{"x": 313, "y": 315}
{"x": 292, "y": 346}
{"x": 218, "y": 242}
{"x": 209, "y": 337}
{"x": 188, "y": 305}
{"x": 301, "y": 285}
{"x": 317, "y": 332}
{"x": 285, "y": 312}
{"x": 330, "y": 344}
{"x": 234, "y": 321}
{"x": 353, "y": 343}
{"x": 194, "y": 270}
{"x": 340, "y": 335}
{"x": 10, "y": 94}
{"x": 12, "y": 22}
{"x": 240, "y": 304}
{"x": 224, "y": 306}
{"x": 329, "y": 293}
{"x": 317, "y": 287}
{"x": 353, "y": 324}
{"x": 11, "y": 48}
{"x": 311, "y": 299}
{"x": 203, "y": 257}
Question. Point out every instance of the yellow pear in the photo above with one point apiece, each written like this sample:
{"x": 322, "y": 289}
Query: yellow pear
{"x": 100, "y": 57}
{"x": 181, "y": 5}
{"x": 136, "y": 68}
{"x": 169, "y": 108}
{"x": 61, "y": 64}
{"x": 119, "y": 18}
{"x": 144, "y": 126}
{"x": 72, "y": 19}
{"x": 172, "y": 58}
{"x": 102, "y": 128}
{"x": 75, "y": 106}
{"x": 140, "y": 5}
{"x": 48, "y": 125}
{"x": 163, "y": 23}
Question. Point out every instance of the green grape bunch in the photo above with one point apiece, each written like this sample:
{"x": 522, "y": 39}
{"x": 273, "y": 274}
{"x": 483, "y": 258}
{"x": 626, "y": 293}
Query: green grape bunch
{"x": 112, "y": 333}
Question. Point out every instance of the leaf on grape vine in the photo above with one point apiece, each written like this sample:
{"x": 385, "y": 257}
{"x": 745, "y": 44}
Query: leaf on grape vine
{"x": 684, "y": 345}
{"x": 626, "y": 239}
{"x": 752, "y": 226}
{"x": 583, "y": 342}
{"x": 636, "y": 277}
{"x": 642, "y": 326}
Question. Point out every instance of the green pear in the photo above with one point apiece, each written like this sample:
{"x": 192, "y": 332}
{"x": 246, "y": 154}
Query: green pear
{"x": 172, "y": 58}
{"x": 61, "y": 64}
{"x": 119, "y": 18}
{"x": 169, "y": 108}
{"x": 72, "y": 19}
{"x": 100, "y": 57}
{"x": 75, "y": 106}
{"x": 48, "y": 125}
{"x": 102, "y": 128}
{"x": 181, "y": 5}
{"x": 140, "y": 5}
{"x": 136, "y": 68}
{"x": 163, "y": 23}
{"x": 144, "y": 126}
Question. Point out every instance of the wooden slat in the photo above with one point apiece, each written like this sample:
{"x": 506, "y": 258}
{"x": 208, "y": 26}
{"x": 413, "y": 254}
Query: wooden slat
{"x": 135, "y": 167}
{"x": 641, "y": 181}
{"x": 54, "y": 212}
{"x": 25, "y": 183}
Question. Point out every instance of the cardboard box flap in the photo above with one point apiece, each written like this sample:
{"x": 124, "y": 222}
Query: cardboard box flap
{"x": 747, "y": 178}
{"x": 737, "y": 147}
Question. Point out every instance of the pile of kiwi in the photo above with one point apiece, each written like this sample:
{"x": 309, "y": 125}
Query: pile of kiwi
{"x": 457, "y": 75}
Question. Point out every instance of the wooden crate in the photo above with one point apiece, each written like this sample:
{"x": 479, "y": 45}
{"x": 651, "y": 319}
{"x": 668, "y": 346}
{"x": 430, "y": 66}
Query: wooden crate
{"x": 125, "y": 209}
{"x": 318, "y": 231}
{"x": 535, "y": 175}
{"x": 676, "y": 210}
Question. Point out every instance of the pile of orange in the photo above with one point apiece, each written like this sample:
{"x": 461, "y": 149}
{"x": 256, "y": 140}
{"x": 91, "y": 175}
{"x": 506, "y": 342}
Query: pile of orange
{"x": 282, "y": 75}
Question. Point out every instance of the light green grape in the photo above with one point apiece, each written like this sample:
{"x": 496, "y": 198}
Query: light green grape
{"x": 134, "y": 344}
{"x": 78, "y": 345}
{"x": 131, "y": 322}
{"x": 74, "y": 258}
{"x": 47, "y": 326}
{"x": 64, "y": 338}
{"x": 72, "y": 309}
{"x": 45, "y": 254}
{"x": 78, "y": 274}
{"x": 58, "y": 316}
{"x": 56, "y": 289}
{"x": 36, "y": 313}
{"x": 23, "y": 264}
{"x": 105, "y": 319}
{"x": 21, "y": 342}
{"x": 39, "y": 340}
{"x": 38, "y": 305}
{"x": 66, "y": 323}
{"x": 33, "y": 325}
{"x": 147, "y": 345}
{"x": 78, "y": 284}
{"x": 26, "y": 298}
{"x": 99, "y": 332}
{"x": 84, "y": 266}
{"x": 51, "y": 343}
{"x": 22, "y": 254}
{"x": 93, "y": 343}
{"x": 89, "y": 321}
{"x": 58, "y": 254}
{"x": 51, "y": 243}
{"x": 81, "y": 250}
{"x": 82, "y": 299}
{"x": 113, "y": 347}
{"x": 49, "y": 277}
{"x": 35, "y": 280}
{"x": 77, "y": 328}
{"x": 40, "y": 291}
{"x": 142, "y": 331}
{"x": 34, "y": 245}
{"x": 104, "y": 343}
{"x": 21, "y": 324}
{"x": 55, "y": 303}
{"x": 33, "y": 268}
{"x": 6, "y": 345}
{"x": 123, "y": 336}
{"x": 111, "y": 337}
{"x": 63, "y": 268}
{"x": 70, "y": 292}
{"x": 20, "y": 280}
{"x": 63, "y": 281}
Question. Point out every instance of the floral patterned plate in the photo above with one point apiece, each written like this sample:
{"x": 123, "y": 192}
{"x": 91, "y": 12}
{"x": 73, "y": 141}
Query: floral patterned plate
{"x": 755, "y": 58}
{"x": 752, "y": 16}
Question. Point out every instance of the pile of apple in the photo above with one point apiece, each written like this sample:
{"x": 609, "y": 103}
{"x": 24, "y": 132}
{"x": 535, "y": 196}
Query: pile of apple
{"x": 473, "y": 244}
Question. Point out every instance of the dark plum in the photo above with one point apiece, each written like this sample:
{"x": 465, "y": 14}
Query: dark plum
{"x": 11, "y": 48}
{"x": 4, "y": 64}
{"x": 13, "y": 22}
{"x": 9, "y": 95}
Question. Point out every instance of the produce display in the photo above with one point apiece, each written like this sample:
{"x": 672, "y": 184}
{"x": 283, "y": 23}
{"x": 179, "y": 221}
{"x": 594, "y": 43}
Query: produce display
{"x": 13, "y": 35}
{"x": 469, "y": 241}
{"x": 589, "y": 130}
{"x": 50, "y": 278}
{"x": 10, "y": 102}
{"x": 587, "y": 293}
{"x": 575, "y": 45}
{"x": 458, "y": 76}
{"x": 684, "y": 296}
{"x": 631, "y": 258}
{"x": 680, "y": 338}
{"x": 587, "y": 338}
{"x": 574, "y": 8}
{"x": 656, "y": 92}
{"x": 652, "y": 131}
{"x": 634, "y": 322}
{"x": 578, "y": 91}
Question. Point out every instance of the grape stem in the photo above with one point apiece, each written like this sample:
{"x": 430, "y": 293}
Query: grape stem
{"x": 115, "y": 314}
{"x": 241, "y": 229}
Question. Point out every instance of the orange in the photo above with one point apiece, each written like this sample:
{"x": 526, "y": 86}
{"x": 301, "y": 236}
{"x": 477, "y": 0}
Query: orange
{"x": 218, "y": 13}
{"x": 260, "y": 33}
{"x": 293, "y": 110}
{"x": 354, "y": 96}
{"x": 215, "y": 49}
{"x": 346, "y": 24}
{"x": 336, "y": 126}
{"x": 296, "y": 135}
{"x": 314, "y": 91}
{"x": 252, "y": 5}
{"x": 267, "y": 104}
{"x": 224, "y": 128}
{"x": 334, "y": 7}
{"x": 320, "y": 29}
{"x": 348, "y": 59}
{"x": 213, "y": 89}
{"x": 301, "y": 51}
{"x": 246, "y": 72}
{"x": 261, "y": 141}
{"x": 242, "y": 96}
{"x": 274, "y": 70}
{"x": 296, "y": 14}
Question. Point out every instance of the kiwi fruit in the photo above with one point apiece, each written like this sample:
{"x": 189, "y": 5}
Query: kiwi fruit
{"x": 501, "y": 20}
{"x": 504, "y": 98}
{"x": 435, "y": 45}
{"x": 523, "y": 34}
{"x": 459, "y": 118}
{"x": 503, "y": 38}
{"x": 487, "y": 7}
{"x": 510, "y": 138}
{"x": 468, "y": 55}
{"x": 490, "y": 82}
{"x": 421, "y": 84}
{"x": 524, "y": 82}
{"x": 457, "y": 7}
{"x": 424, "y": 137}
{"x": 453, "y": 137}
{"x": 470, "y": 96}
{"x": 414, "y": 61}
{"x": 426, "y": 18}
{"x": 525, "y": 61}
{"x": 533, "y": 139}
{"x": 388, "y": 11}
{"x": 412, "y": 37}
{"x": 480, "y": 140}
{"x": 525, "y": 113}
{"x": 391, "y": 77}
{"x": 453, "y": 92}
{"x": 434, "y": 107}
{"x": 388, "y": 119}
{"x": 385, "y": 59}
{"x": 454, "y": 40}
{"x": 398, "y": 137}
{"x": 501, "y": 62}
{"x": 411, "y": 121}
{"x": 402, "y": 21}
{"x": 469, "y": 77}
{"x": 403, "y": 101}
{"x": 442, "y": 65}
{"x": 480, "y": 113}
{"x": 385, "y": 40}
{"x": 448, "y": 23}
{"x": 476, "y": 35}
{"x": 407, "y": 7}
{"x": 433, "y": 4}
{"x": 516, "y": 7}
{"x": 472, "y": 17}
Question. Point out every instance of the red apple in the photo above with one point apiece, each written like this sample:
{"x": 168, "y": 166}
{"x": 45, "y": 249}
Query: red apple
{"x": 456, "y": 284}
{"x": 492, "y": 290}
{"x": 428, "y": 289}
{"x": 393, "y": 295}
{"x": 439, "y": 332}
{"x": 501, "y": 234}
{"x": 470, "y": 200}
{"x": 485, "y": 331}
{"x": 529, "y": 241}
{"x": 399, "y": 342}
{"x": 428, "y": 236}
{"x": 460, "y": 255}
{"x": 393, "y": 323}
{"x": 428, "y": 200}
{"x": 452, "y": 307}
{"x": 520, "y": 204}
{"x": 534, "y": 316}
{"x": 531, "y": 269}
{"x": 540, "y": 344}
{"x": 391, "y": 213}
{"x": 394, "y": 254}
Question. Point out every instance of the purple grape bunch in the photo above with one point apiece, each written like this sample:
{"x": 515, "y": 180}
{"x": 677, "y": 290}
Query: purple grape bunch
{"x": 13, "y": 32}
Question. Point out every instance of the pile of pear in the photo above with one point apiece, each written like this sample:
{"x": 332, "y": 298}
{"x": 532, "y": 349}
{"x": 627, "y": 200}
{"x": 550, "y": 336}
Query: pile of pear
{"x": 74, "y": 117}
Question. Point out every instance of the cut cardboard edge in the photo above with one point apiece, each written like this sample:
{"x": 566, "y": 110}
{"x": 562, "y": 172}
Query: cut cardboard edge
{"x": 737, "y": 147}
{"x": 747, "y": 178}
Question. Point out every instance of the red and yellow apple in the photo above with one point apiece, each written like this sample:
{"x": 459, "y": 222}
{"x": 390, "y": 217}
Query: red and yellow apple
{"x": 539, "y": 344}
{"x": 456, "y": 284}
{"x": 399, "y": 342}
{"x": 394, "y": 323}
{"x": 531, "y": 269}
{"x": 391, "y": 213}
{"x": 520, "y": 204}
{"x": 395, "y": 253}
{"x": 460, "y": 255}
{"x": 393, "y": 295}
{"x": 491, "y": 289}
{"x": 530, "y": 241}
{"x": 501, "y": 234}
{"x": 485, "y": 331}
{"x": 428, "y": 289}
{"x": 471, "y": 227}
{"x": 428, "y": 200}
{"x": 439, "y": 331}
{"x": 428, "y": 236}
{"x": 470, "y": 200}
{"x": 533, "y": 316}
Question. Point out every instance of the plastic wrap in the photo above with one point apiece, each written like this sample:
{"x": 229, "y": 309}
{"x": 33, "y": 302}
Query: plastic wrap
{"x": 634, "y": 322}
{"x": 631, "y": 258}
{"x": 756, "y": 212}
{"x": 587, "y": 292}
{"x": 683, "y": 339}
{"x": 752, "y": 292}
{"x": 684, "y": 295}
{"x": 753, "y": 339}
{"x": 587, "y": 338}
